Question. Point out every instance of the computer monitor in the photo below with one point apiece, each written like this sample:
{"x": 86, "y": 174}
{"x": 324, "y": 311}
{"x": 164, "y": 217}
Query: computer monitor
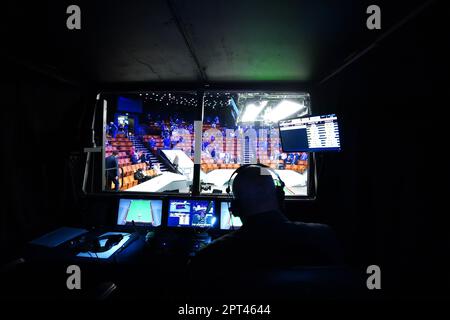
{"x": 319, "y": 133}
{"x": 191, "y": 213}
{"x": 143, "y": 212}
{"x": 227, "y": 220}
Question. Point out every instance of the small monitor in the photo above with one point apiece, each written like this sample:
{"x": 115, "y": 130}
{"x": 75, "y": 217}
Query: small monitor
{"x": 227, "y": 220}
{"x": 319, "y": 133}
{"x": 191, "y": 213}
{"x": 143, "y": 212}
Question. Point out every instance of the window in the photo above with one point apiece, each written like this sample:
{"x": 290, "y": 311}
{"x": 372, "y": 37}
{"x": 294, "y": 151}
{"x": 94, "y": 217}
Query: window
{"x": 152, "y": 135}
{"x": 242, "y": 128}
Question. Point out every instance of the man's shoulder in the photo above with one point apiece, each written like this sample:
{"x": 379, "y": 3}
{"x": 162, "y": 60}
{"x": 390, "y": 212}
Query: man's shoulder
{"x": 310, "y": 225}
{"x": 306, "y": 230}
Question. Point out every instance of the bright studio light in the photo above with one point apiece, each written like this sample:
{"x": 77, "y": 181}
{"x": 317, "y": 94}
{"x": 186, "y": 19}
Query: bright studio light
{"x": 252, "y": 110}
{"x": 283, "y": 110}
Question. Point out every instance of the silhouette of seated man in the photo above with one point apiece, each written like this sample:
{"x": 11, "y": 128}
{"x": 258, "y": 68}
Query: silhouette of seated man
{"x": 267, "y": 238}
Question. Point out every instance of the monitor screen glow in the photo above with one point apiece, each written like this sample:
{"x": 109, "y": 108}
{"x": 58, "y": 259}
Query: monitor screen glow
{"x": 191, "y": 213}
{"x": 319, "y": 133}
{"x": 227, "y": 220}
{"x": 143, "y": 212}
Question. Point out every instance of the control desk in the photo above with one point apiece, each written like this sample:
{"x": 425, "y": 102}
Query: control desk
{"x": 151, "y": 240}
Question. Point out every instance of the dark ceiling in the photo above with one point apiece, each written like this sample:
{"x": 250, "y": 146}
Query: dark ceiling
{"x": 205, "y": 41}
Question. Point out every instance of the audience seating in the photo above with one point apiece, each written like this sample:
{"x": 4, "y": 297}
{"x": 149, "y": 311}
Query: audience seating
{"x": 129, "y": 181}
{"x": 122, "y": 144}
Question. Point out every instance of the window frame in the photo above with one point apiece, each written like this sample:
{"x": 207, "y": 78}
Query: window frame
{"x": 200, "y": 112}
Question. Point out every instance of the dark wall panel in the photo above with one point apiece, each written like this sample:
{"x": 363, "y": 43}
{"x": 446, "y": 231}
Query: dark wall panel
{"x": 385, "y": 188}
{"x": 43, "y": 126}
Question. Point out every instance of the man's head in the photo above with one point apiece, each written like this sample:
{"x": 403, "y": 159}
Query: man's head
{"x": 115, "y": 153}
{"x": 254, "y": 192}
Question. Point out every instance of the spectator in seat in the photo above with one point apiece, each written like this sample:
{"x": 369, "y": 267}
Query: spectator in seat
{"x": 304, "y": 156}
{"x": 290, "y": 159}
{"x": 296, "y": 158}
{"x": 141, "y": 176}
{"x": 227, "y": 158}
{"x": 205, "y": 145}
{"x": 112, "y": 171}
{"x": 167, "y": 142}
{"x": 112, "y": 129}
{"x": 142, "y": 158}
{"x": 283, "y": 157}
{"x": 148, "y": 160}
{"x": 134, "y": 158}
{"x": 152, "y": 144}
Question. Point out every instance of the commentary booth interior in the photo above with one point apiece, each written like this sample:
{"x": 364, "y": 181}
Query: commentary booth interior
{"x": 121, "y": 139}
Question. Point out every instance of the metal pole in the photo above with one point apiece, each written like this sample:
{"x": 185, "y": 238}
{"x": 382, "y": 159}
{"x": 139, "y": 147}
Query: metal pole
{"x": 198, "y": 125}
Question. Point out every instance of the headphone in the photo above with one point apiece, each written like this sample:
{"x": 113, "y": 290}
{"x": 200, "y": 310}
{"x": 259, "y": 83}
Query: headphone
{"x": 279, "y": 189}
